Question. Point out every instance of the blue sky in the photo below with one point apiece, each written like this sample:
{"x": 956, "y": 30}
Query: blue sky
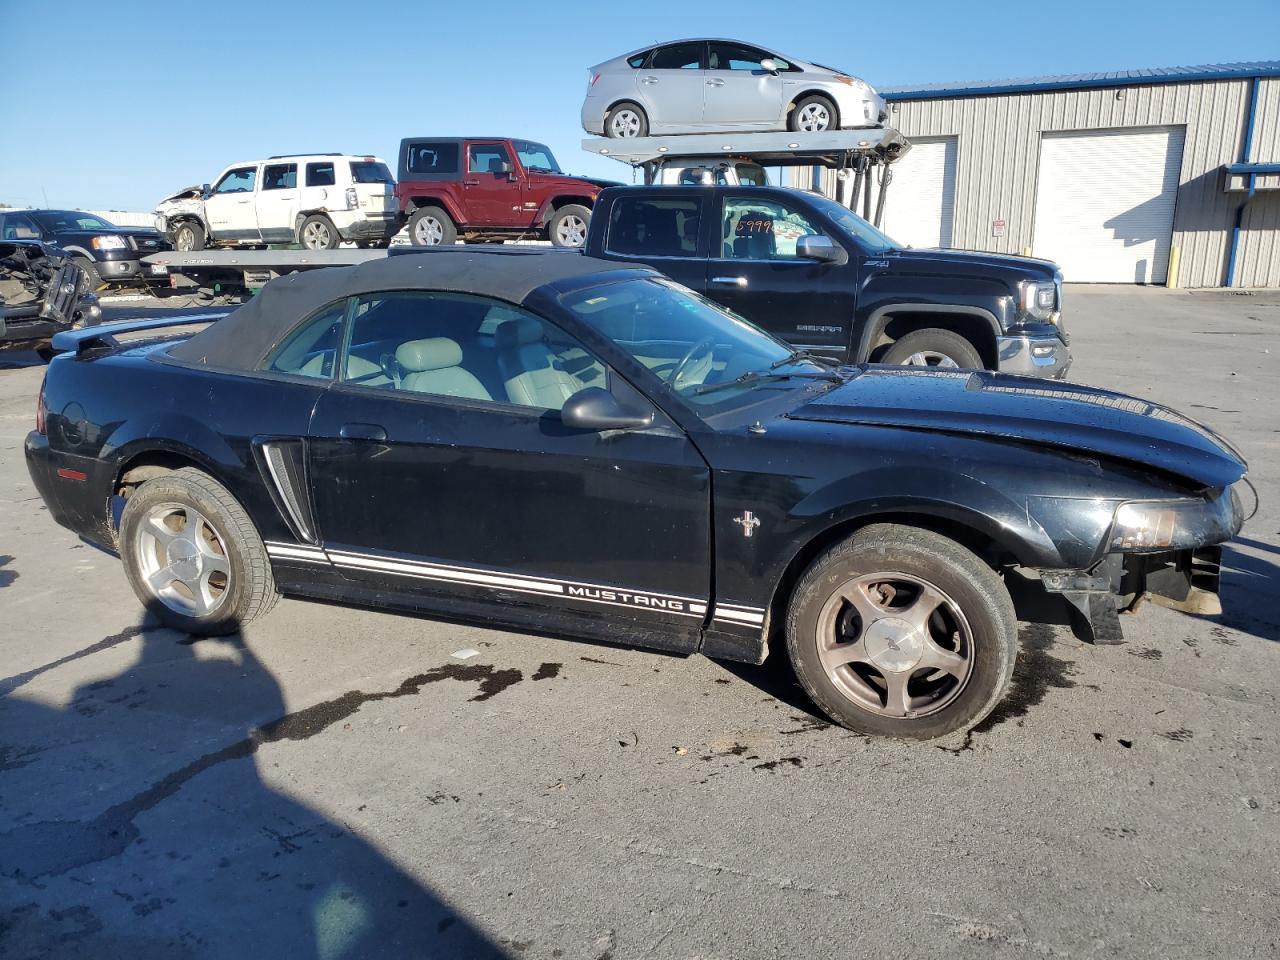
{"x": 120, "y": 109}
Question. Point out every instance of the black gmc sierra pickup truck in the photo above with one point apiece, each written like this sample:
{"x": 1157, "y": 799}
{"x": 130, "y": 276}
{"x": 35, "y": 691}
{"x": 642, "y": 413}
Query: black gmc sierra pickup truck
{"x": 813, "y": 273}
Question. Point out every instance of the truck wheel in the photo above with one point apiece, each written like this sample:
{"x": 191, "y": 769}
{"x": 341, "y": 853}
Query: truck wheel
{"x": 625, "y": 121}
{"x": 91, "y": 272}
{"x": 901, "y": 632}
{"x": 814, "y": 114}
{"x": 318, "y": 233}
{"x": 193, "y": 556}
{"x": 188, "y": 236}
{"x": 431, "y": 227}
{"x": 934, "y": 348}
{"x": 568, "y": 226}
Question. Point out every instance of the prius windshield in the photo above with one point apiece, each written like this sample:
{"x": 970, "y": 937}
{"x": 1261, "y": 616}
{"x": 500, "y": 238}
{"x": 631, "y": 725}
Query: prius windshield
{"x": 703, "y": 353}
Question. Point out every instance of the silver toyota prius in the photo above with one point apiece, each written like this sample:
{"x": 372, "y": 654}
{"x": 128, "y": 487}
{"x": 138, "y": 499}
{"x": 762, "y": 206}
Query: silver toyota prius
{"x": 707, "y": 86}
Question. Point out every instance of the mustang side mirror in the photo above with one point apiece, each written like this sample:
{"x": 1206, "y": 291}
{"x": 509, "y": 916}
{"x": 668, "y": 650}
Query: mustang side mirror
{"x": 823, "y": 249}
{"x": 595, "y": 409}
{"x": 768, "y": 63}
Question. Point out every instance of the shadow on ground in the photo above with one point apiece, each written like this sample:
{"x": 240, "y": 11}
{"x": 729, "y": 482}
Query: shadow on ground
{"x": 134, "y": 821}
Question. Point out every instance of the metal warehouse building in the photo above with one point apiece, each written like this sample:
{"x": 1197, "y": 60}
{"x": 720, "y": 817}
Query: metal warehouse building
{"x": 1119, "y": 177}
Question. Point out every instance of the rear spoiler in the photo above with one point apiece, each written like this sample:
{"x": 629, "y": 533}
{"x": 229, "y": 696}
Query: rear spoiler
{"x": 102, "y": 336}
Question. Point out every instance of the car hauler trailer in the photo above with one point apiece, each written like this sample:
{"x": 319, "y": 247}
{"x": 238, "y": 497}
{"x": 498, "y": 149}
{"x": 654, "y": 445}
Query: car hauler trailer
{"x": 854, "y": 154}
{"x": 222, "y": 272}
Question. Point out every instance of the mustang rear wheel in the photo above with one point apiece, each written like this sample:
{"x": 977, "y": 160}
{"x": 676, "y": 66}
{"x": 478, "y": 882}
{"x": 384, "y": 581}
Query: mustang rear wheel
{"x": 193, "y": 556}
{"x": 904, "y": 633}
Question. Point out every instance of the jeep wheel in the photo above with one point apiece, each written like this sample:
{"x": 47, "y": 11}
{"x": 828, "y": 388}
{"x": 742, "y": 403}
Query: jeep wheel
{"x": 431, "y": 227}
{"x": 188, "y": 236}
{"x": 901, "y": 632}
{"x": 934, "y": 348}
{"x": 814, "y": 114}
{"x": 568, "y": 226}
{"x": 193, "y": 556}
{"x": 318, "y": 233}
{"x": 625, "y": 121}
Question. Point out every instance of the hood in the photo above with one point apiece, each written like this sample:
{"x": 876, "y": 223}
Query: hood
{"x": 1068, "y": 416}
{"x": 186, "y": 193}
{"x": 936, "y": 260}
{"x": 595, "y": 181}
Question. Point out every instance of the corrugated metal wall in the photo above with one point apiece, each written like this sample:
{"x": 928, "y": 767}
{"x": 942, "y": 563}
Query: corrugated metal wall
{"x": 999, "y": 151}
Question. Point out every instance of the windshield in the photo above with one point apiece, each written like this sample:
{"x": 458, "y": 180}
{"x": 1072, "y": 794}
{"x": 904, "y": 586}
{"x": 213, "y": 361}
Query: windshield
{"x": 57, "y": 220}
{"x": 873, "y": 240}
{"x": 370, "y": 171}
{"x": 705, "y": 354}
{"x": 535, "y": 156}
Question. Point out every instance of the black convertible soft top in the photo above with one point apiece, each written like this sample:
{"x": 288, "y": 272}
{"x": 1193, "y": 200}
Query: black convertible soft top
{"x": 241, "y": 339}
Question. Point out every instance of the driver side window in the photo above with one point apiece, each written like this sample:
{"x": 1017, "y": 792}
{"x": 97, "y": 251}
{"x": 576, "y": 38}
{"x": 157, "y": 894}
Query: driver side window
{"x": 239, "y": 180}
{"x": 762, "y": 229}
{"x": 465, "y": 347}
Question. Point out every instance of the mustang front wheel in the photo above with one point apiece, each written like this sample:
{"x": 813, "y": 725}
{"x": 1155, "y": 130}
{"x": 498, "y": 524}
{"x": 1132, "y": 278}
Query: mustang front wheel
{"x": 193, "y": 556}
{"x": 902, "y": 632}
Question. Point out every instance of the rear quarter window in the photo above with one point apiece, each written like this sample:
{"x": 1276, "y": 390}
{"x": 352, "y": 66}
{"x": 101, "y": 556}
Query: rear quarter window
{"x": 320, "y": 174}
{"x": 429, "y": 159}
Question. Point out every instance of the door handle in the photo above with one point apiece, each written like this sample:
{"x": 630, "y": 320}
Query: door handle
{"x": 649, "y": 80}
{"x": 362, "y": 431}
{"x": 715, "y": 83}
{"x": 730, "y": 281}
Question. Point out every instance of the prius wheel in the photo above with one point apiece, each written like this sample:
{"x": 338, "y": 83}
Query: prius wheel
{"x": 625, "y": 121}
{"x": 319, "y": 234}
{"x": 901, "y": 632}
{"x": 814, "y": 114}
{"x": 193, "y": 556}
{"x": 568, "y": 228}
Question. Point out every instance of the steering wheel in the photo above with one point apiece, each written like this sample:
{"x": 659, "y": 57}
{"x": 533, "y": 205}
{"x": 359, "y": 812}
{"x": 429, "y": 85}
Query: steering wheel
{"x": 706, "y": 345}
{"x": 390, "y": 368}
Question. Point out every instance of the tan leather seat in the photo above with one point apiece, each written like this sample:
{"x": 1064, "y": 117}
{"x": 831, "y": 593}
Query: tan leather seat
{"x": 529, "y": 369}
{"x": 432, "y": 366}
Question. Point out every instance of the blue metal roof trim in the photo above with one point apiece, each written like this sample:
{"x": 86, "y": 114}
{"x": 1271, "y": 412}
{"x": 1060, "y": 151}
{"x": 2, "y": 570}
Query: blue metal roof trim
{"x": 1083, "y": 81}
{"x": 1253, "y": 167}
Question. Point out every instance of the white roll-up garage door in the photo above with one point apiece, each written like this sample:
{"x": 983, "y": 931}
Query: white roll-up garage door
{"x": 1104, "y": 203}
{"x": 922, "y": 194}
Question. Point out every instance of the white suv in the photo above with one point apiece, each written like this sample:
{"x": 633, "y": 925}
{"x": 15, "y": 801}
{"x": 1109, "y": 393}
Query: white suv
{"x": 317, "y": 200}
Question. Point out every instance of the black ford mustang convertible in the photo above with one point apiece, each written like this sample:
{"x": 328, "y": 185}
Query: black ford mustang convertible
{"x": 547, "y": 440}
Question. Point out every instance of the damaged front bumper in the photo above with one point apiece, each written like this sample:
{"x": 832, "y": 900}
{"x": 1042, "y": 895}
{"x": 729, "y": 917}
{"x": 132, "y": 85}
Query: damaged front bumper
{"x": 1185, "y": 576}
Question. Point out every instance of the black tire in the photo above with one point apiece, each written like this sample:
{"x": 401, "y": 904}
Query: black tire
{"x": 249, "y": 590}
{"x": 935, "y": 347}
{"x": 436, "y": 227}
{"x": 795, "y": 119}
{"x": 991, "y": 647}
{"x": 91, "y": 272}
{"x": 568, "y": 226}
{"x": 318, "y": 233}
{"x": 193, "y": 230}
{"x": 616, "y": 118}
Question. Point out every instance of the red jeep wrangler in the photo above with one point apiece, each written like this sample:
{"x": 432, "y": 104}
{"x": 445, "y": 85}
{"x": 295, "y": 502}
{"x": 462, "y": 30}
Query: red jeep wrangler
{"x": 491, "y": 189}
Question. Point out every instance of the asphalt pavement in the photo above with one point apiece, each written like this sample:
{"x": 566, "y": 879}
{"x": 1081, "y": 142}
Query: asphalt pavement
{"x": 335, "y": 783}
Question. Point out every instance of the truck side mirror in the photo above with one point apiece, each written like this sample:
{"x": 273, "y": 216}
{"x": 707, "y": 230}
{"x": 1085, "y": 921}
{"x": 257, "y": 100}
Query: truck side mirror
{"x": 595, "y": 409}
{"x": 814, "y": 246}
{"x": 205, "y": 191}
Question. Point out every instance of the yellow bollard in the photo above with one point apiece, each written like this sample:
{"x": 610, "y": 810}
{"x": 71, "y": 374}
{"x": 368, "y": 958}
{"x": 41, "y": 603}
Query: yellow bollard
{"x": 1171, "y": 281}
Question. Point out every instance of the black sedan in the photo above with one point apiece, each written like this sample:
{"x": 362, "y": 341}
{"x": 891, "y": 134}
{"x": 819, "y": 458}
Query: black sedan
{"x": 550, "y": 441}
{"x": 103, "y": 250}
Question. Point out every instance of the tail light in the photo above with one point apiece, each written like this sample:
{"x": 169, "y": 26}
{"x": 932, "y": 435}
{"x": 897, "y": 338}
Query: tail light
{"x": 40, "y": 409}
{"x": 594, "y": 78}
{"x": 352, "y": 200}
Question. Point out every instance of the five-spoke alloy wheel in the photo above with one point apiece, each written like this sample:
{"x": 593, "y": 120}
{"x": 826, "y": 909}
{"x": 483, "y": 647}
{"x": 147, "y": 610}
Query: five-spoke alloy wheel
{"x": 193, "y": 556}
{"x": 899, "y": 631}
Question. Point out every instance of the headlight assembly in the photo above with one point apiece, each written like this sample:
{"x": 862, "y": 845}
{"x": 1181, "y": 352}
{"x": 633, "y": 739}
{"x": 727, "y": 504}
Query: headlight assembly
{"x": 1159, "y": 524}
{"x": 109, "y": 242}
{"x": 1039, "y": 300}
